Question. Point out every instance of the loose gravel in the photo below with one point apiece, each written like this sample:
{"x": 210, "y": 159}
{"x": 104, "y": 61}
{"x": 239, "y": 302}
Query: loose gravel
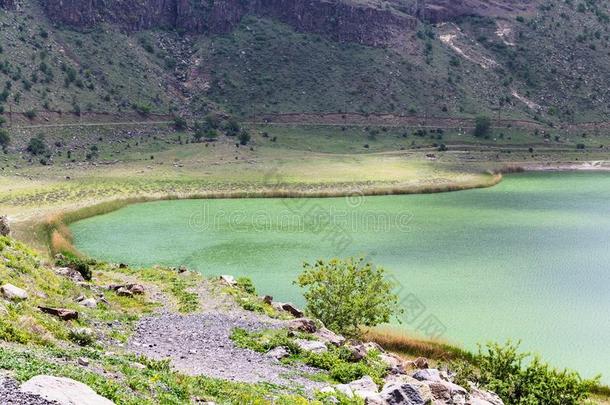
{"x": 199, "y": 344}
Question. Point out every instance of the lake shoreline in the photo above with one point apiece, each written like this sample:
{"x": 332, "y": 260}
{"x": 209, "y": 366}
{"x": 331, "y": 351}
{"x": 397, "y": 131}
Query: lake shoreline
{"x": 53, "y": 235}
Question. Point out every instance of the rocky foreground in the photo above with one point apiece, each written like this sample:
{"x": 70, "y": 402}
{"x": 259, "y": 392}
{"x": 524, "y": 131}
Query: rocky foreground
{"x": 198, "y": 342}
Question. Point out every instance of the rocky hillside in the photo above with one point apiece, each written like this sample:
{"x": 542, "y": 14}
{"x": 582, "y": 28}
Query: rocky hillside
{"x": 535, "y": 59}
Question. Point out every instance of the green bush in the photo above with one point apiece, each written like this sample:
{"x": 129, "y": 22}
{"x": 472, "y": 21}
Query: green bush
{"x": 482, "y": 127}
{"x": 348, "y": 294}
{"x": 38, "y": 146}
{"x": 180, "y": 123}
{"x": 244, "y": 137}
{"x": 232, "y": 127}
{"x": 5, "y": 140}
{"x": 246, "y": 284}
{"x": 76, "y": 263}
{"x": 82, "y": 337}
{"x": 518, "y": 380}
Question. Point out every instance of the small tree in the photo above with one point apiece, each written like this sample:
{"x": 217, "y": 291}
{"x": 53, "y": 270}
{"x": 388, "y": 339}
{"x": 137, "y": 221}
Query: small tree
{"x": 180, "y": 123}
{"x": 5, "y": 140}
{"x": 211, "y": 134}
{"x": 348, "y": 294}
{"x": 482, "y": 127}
{"x": 38, "y": 146}
{"x": 232, "y": 127}
{"x": 244, "y": 137}
{"x": 212, "y": 121}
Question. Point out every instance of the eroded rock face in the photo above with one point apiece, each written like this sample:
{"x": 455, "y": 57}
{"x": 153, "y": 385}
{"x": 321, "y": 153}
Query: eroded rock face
{"x": 436, "y": 11}
{"x": 342, "y": 21}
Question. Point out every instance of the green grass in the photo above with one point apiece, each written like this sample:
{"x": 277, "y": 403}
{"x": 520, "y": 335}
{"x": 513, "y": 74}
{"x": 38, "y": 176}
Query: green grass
{"x": 336, "y": 361}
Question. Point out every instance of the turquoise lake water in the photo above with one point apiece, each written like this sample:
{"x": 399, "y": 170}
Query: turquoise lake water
{"x": 528, "y": 259}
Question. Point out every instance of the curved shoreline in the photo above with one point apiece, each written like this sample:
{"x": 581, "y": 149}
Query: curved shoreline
{"x": 54, "y": 234}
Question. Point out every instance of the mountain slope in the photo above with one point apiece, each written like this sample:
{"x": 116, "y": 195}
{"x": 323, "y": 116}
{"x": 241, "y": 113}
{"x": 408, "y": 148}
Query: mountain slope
{"x": 537, "y": 59}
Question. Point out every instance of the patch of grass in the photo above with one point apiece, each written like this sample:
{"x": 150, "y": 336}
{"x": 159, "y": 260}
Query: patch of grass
{"x": 399, "y": 342}
{"x": 170, "y": 281}
{"x": 155, "y": 383}
{"x": 336, "y": 360}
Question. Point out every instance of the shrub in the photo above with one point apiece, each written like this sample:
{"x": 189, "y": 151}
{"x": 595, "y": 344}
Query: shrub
{"x": 142, "y": 108}
{"x": 30, "y": 114}
{"x": 38, "y": 146}
{"x": 246, "y": 284}
{"x": 82, "y": 336}
{"x": 244, "y": 137}
{"x": 5, "y": 140}
{"x": 348, "y": 294}
{"x": 232, "y": 127}
{"x": 180, "y": 123}
{"x": 482, "y": 127}
{"x": 76, "y": 263}
{"x": 502, "y": 370}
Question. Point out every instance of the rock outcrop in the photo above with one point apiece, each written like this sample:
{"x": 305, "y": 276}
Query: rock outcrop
{"x": 340, "y": 20}
{"x": 5, "y": 229}
{"x": 64, "y": 391}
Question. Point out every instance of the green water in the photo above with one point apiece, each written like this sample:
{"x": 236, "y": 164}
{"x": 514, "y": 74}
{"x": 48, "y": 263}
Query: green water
{"x": 528, "y": 259}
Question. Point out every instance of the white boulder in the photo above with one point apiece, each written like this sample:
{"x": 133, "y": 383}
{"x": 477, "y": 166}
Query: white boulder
{"x": 13, "y": 293}
{"x": 64, "y": 391}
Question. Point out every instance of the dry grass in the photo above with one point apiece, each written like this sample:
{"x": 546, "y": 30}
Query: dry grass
{"x": 399, "y": 341}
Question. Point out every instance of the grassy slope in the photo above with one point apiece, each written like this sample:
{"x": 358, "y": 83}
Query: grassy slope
{"x": 49, "y": 68}
{"x": 33, "y": 343}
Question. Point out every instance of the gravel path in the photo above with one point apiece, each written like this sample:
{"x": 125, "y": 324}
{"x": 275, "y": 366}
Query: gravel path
{"x": 11, "y": 395}
{"x": 199, "y": 344}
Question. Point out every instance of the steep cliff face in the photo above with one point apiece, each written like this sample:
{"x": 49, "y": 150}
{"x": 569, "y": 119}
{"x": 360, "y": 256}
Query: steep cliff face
{"x": 436, "y": 11}
{"x": 339, "y": 20}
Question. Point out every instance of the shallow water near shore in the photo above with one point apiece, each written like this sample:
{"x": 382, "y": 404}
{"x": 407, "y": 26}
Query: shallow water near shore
{"x": 528, "y": 259}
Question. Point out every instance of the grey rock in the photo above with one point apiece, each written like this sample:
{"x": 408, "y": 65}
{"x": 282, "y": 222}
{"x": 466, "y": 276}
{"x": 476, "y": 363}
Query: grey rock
{"x": 392, "y": 362}
{"x": 302, "y": 325}
{"x": 358, "y": 351}
{"x": 11, "y": 394}
{"x": 69, "y": 273}
{"x": 314, "y": 346}
{"x": 83, "y": 361}
{"x": 421, "y": 362}
{"x": 228, "y": 280}
{"x": 428, "y": 374}
{"x": 364, "y": 384}
{"x": 124, "y": 292}
{"x": 278, "y": 353}
{"x": 89, "y": 303}
{"x": 13, "y": 293}
{"x": 424, "y": 390}
{"x": 448, "y": 392}
{"x": 482, "y": 397}
{"x": 5, "y": 229}
{"x": 402, "y": 394}
{"x": 328, "y": 336}
{"x": 65, "y": 391}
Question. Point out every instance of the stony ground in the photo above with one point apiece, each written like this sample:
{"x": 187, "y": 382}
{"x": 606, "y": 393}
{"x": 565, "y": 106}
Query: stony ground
{"x": 11, "y": 395}
{"x": 200, "y": 344}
